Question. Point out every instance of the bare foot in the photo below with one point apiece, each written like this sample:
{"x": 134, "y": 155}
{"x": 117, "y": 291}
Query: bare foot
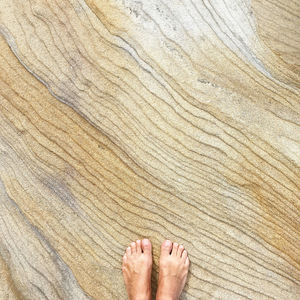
{"x": 137, "y": 266}
{"x": 173, "y": 270}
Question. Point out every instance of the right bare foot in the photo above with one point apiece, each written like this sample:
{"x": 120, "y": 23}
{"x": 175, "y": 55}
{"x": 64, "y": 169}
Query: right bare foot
{"x": 173, "y": 270}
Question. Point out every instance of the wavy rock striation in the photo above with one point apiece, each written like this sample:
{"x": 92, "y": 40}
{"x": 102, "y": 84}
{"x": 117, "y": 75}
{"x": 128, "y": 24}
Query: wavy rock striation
{"x": 161, "y": 119}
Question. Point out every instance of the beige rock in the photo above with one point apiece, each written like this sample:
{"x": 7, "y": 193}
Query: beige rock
{"x": 161, "y": 119}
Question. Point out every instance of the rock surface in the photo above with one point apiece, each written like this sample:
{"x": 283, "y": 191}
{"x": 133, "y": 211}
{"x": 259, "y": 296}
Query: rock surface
{"x": 161, "y": 119}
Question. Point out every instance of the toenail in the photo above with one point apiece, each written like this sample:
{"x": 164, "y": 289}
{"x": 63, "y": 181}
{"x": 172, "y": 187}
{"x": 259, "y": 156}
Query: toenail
{"x": 175, "y": 244}
{"x": 138, "y": 241}
{"x": 168, "y": 243}
{"x": 133, "y": 244}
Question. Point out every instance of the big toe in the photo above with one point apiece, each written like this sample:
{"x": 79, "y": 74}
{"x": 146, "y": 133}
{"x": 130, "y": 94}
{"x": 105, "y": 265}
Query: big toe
{"x": 166, "y": 247}
{"x": 146, "y": 246}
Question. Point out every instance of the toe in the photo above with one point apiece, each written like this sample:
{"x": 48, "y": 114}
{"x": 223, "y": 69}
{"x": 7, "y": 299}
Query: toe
{"x": 174, "y": 249}
{"x": 128, "y": 251}
{"x": 133, "y": 247}
{"x": 187, "y": 262}
{"x": 166, "y": 247}
{"x": 184, "y": 255}
{"x": 138, "y": 247}
{"x": 146, "y": 246}
{"x": 180, "y": 250}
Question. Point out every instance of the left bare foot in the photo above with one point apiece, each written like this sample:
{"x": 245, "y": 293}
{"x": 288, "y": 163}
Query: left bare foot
{"x": 173, "y": 270}
{"x": 137, "y": 266}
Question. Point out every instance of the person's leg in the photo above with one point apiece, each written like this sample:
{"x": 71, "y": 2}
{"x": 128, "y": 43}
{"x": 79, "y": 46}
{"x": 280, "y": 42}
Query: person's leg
{"x": 137, "y": 266}
{"x": 173, "y": 270}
